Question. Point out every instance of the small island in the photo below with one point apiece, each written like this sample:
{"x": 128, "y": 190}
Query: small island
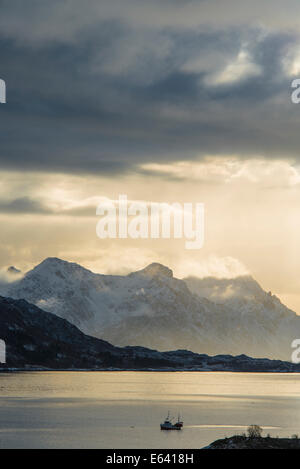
{"x": 254, "y": 440}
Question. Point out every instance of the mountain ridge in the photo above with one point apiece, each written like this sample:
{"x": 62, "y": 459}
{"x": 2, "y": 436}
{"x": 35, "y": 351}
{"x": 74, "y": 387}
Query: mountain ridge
{"x": 36, "y": 340}
{"x": 152, "y": 308}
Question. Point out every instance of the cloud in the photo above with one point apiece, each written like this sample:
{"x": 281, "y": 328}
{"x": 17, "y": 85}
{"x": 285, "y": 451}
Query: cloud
{"x": 226, "y": 169}
{"x": 212, "y": 266}
{"x": 58, "y": 195}
{"x": 26, "y": 205}
{"x": 124, "y": 83}
{"x": 23, "y": 205}
{"x": 241, "y": 68}
{"x": 6, "y": 277}
{"x": 56, "y": 21}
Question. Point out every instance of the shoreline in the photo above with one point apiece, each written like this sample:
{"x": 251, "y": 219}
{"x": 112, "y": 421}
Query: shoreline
{"x": 138, "y": 370}
{"x": 239, "y": 442}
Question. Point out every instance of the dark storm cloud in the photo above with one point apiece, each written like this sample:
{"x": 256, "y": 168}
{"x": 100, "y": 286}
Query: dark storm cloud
{"x": 95, "y": 93}
{"x": 23, "y": 205}
{"x": 31, "y": 206}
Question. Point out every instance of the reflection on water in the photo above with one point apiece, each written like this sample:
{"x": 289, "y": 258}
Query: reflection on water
{"x": 242, "y": 427}
{"x": 124, "y": 409}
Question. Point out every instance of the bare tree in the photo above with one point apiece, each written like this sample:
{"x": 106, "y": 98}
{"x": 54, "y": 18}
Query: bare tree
{"x": 254, "y": 431}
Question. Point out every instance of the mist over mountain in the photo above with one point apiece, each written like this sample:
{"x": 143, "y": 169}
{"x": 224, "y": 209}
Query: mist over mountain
{"x": 151, "y": 308}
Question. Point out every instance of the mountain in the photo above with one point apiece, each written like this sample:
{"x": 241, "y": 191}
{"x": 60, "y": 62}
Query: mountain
{"x": 151, "y": 308}
{"x": 148, "y": 308}
{"x": 257, "y": 319}
{"x": 36, "y": 339}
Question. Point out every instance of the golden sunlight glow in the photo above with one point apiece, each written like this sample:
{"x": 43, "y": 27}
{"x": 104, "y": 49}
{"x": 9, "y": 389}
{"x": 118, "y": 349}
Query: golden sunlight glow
{"x": 251, "y": 222}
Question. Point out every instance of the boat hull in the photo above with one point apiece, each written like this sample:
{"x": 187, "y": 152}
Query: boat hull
{"x": 173, "y": 427}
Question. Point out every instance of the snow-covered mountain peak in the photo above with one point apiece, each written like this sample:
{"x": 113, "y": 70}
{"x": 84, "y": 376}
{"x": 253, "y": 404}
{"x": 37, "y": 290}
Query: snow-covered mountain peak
{"x": 55, "y": 262}
{"x": 58, "y": 267}
{"x": 154, "y": 309}
{"x": 155, "y": 270}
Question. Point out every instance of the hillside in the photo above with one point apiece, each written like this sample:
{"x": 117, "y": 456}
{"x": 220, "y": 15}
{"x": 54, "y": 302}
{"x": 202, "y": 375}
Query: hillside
{"x": 37, "y": 339}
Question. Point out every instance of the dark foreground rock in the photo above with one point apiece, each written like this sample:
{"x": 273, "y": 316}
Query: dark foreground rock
{"x": 37, "y": 339}
{"x": 242, "y": 442}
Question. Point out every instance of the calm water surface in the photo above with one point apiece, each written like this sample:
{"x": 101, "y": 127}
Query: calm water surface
{"x": 124, "y": 409}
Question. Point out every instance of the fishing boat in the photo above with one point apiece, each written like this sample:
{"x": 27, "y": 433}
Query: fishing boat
{"x": 169, "y": 425}
{"x": 179, "y": 422}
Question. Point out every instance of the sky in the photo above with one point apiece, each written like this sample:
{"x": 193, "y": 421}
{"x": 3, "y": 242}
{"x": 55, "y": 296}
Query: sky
{"x": 165, "y": 101}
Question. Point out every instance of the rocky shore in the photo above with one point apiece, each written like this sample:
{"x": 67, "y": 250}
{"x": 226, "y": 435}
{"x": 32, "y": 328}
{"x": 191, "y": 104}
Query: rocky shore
{"x": 244, "y": 442}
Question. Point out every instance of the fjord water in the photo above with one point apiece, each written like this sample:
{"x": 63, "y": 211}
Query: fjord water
{"x": 124, "y": 409}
